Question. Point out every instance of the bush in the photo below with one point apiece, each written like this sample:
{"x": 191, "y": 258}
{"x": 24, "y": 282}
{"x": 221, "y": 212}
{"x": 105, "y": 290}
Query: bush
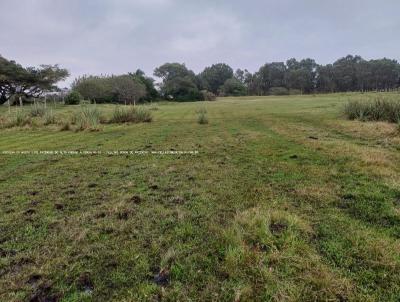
{"x": 208, "y": 96}
{"x": 73, "y": 98}
{"x": 202, "y": 118}
{"x": 88, "y": 118}
{"x": 278, "y": 91}
{"x": 379, "y": 109}
{"x": 131, "y": 115}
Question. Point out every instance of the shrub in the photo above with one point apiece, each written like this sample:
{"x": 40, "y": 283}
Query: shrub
{"x": 208, "y": 96}
{"x": 87, "y": 118}
{"x": 130, "y": 115}
{"x": 202, "y": 118}
{"x": 73, "y": 98}
{"x": 37, "y": 110}
{"x": 379, "y": 109}
{"x": 278, "y": 91}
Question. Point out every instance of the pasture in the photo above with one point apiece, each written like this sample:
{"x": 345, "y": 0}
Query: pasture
{"x": 285, "y": 200}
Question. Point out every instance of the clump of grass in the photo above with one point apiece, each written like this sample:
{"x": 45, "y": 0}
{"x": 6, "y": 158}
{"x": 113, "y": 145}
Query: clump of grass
{"x": 379, "y": 109}
{"x": 143, "y": 115}
{"x": 37, "y": 110}
{"x": 65, "y": 126}
{"x": 202, "y": 117}
{"x": 131, "y": 115}
{"x": 19, "y": 119}
{"x": 88, "y": 118}
{"x": 154, "y": 107}
{"x": 49, "y": 117}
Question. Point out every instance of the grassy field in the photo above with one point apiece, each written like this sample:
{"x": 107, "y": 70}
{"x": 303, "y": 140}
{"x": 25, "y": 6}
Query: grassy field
{"x": 285, "y": 201}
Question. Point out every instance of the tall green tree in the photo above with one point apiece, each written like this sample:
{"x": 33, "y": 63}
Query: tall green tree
{"x": 215, "y": 76}
{"x": 233, "y": 87}
{"x": 301, "y": 75}
{"x": 128, "y": 90}
{"x": 148, "y": 82}
{"x": 30, "y": 82}
{"x": 178, "y": 82}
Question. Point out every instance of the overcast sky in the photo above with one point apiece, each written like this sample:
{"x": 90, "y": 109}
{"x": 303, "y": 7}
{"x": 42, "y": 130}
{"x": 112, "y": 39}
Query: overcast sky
{"x": 118, "y": 36}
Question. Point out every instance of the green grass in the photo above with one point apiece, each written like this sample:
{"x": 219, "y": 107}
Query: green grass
{"x": 379, "y": 109}
{"x": 286, "y": 201}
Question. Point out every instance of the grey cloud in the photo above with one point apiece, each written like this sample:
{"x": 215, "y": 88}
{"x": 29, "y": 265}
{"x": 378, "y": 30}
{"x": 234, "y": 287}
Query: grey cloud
{"x": 116, "y": 36}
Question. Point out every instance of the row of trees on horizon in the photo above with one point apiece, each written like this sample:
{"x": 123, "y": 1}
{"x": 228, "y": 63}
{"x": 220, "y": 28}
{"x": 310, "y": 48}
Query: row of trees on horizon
{"x": 350, "y": 73}
{"x": 178, "y": 83}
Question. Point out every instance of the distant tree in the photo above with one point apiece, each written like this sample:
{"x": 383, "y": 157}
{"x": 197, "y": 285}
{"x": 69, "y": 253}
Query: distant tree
{"x": 179, "y": 83}
{"x": 96, "y": 88}
{"x": 73, "y": 98}
{"x": 30, "y": 82}
{"x": 344, "y": 71}
{"x": 215, "y": 76}
{"x": 151, "y": 91}
{"x": 128, "y": 90}
{"x": 325, "y": 79}
{"x": 208, "y": 96}
{"x": 233, "y": 87}
{"x": 240, "y": 75}
{"x": 385, "y": 74}
{"x": 301, "y": 75}
{"x": 271, "y": 75}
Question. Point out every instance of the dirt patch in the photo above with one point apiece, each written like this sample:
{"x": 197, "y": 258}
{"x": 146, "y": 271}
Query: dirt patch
{"x": 162, "y": 278}
{"x": 59, "y": 206}
{"x": 44, "y": 293}
{"x": 34, "y": 279}
{"x": 7, "y": 253}
{"x": 70, "y": 192}
{"x": 29, "y": 212}
{"x": 85, "y": 283}
{"x": 136, "y": 199}
{"x": 178, "y": 200}
{"x": 123, "y": 215}
{"x": 100, "y": 215}
{"x": 277, "y": 228}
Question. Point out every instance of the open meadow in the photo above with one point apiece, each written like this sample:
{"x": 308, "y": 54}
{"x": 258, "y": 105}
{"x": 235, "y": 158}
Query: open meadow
{"x": 285, "y": 200}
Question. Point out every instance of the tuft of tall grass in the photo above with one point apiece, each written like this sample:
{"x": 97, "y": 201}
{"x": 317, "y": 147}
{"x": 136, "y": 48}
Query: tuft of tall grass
{"x": 65, "y": 126}
{"x": 130, "y": 115}
{"x": 19, "y": 119}
{"x": 37, "y": 110}
{"x": 87, "y": 118}
{"x": 378, "y": 109}
{"x": 202, "y": 117}
{"x": 49, "y": 117}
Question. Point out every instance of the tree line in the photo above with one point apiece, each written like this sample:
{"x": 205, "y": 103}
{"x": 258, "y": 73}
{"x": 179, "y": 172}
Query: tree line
{"x": 179, "y": 83}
